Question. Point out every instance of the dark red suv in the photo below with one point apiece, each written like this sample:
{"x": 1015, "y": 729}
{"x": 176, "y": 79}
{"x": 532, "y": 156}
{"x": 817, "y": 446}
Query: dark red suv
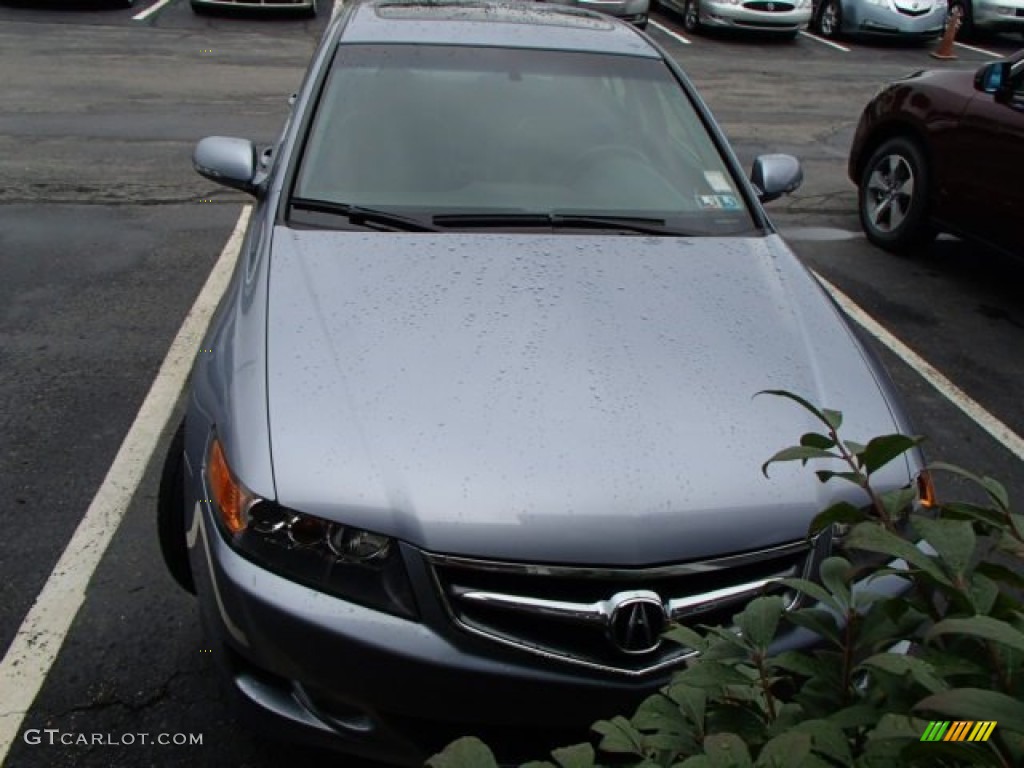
{"x": 943, "y": 151}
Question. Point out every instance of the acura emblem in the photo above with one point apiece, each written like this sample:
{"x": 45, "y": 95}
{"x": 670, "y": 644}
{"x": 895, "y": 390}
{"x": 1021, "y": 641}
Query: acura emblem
{"x": 636, "y": 622}
{"x": 770, "y": 6}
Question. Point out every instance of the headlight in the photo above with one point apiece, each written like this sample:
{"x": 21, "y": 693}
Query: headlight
{"x": 880, "y": 3}
{"x": 351, "y": 563}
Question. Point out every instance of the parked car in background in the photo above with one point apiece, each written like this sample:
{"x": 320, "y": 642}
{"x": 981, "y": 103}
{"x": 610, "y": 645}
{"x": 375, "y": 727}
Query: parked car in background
{"x": 304, "y": 7}
{"x": 636, "y": 12}
{"x": 989, "y": 16}
{"x": 474, "y": 419}
{"x": 943, "y": 151}
{"x": 920, "y": 19}
{"x": 784, "y": 18}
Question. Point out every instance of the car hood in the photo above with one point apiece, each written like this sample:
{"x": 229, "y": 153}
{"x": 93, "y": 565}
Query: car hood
{"x": 574, "y": 399}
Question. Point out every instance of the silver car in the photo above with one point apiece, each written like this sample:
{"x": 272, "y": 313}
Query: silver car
{"x": 474, "y": 419}
{"x": 921, "y": 19}
{"x": 784, "y": 18}
{"x": 987, "y": 16}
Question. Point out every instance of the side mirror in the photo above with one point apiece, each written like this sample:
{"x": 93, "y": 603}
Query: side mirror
{"x": 992, "y": 77}
{"x": 227, "y": 161}
{"x": 775, "y": 176}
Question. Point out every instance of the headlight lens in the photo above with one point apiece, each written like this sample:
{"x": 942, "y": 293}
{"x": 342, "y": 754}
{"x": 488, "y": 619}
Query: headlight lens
{"x": 882, "y": 3}
{"x": 351, "y": 563}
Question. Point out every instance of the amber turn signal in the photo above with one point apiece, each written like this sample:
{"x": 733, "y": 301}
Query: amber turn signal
{"x": 926, "y": 489}
{"x": 231, "y": 499}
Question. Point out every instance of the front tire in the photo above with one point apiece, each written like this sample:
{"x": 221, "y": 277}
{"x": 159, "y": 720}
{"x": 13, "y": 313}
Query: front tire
{"x": 893, "y": 197}
{"x": 691, "y": 17}
{"x": 830, "y": 19}
{"x": 170, "y": 513}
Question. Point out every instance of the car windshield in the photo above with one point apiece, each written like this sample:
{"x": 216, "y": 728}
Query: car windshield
{"x": 462, "y": 136}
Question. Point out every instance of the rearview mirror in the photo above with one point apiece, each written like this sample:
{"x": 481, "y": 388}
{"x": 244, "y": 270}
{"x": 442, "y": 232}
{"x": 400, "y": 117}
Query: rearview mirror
{"x": 227, "y": 161}
{"x": 775, "y": 176}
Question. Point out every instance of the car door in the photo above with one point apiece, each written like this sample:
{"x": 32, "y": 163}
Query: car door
{"x": 992, "y": 132}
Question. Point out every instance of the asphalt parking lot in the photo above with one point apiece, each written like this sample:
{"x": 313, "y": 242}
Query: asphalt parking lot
{"x": 107, "y": 237}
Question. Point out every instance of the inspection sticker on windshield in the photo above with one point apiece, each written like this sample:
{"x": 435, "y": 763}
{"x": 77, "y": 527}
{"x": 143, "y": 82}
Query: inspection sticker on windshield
{"x": 717, "y": 181}
{"x": 718, "y": 202}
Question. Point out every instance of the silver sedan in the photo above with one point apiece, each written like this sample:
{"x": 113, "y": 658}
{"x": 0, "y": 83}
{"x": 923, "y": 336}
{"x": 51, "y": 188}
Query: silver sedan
{"x": 921, "y": 19}
{"x": 780, "y": 17}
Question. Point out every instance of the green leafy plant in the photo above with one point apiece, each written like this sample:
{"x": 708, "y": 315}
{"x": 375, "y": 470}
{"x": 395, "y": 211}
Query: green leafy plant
{"x": 948, "y": 647}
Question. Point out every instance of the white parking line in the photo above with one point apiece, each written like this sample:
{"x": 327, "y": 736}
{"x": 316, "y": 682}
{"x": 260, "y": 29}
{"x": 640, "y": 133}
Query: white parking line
{"x": 39, "y": 639}
{"x": 670, "y": 32}
{"x": 822, "y": 40}
{"x": 978, "y": 50}
{"x": 1009, "y": 439}
{"x": 151, "y": 10}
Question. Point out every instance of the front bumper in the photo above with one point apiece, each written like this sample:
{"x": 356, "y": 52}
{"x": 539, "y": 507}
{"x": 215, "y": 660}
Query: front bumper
{"x": 999, "y": 16}
{"x": 865, "y": 19}
{"x": 728, "y": 16}
{"x": 313, "y": 668}
{"x": 305, "y": 5}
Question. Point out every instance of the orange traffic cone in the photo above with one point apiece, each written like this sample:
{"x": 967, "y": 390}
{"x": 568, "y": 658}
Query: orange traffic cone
{"x": 945, "y": 50}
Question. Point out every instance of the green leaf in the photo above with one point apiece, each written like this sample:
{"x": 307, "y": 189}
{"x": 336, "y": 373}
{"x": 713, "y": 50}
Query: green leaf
{"x": 686, "y": 637}
{"x": 827, "y": 739}
{"x": 953, "y": 540}
{"x": 874, "y": 538}
{"x": 785, "y": 750}
{"x": 801, "y": 453}
{"x": 855, "y": 716}
{"x": 619, "y": 736}
{"x": 538, "y": 764}
{"x": 816, "y": 440}
{"x": 576, "y": 756}
{"x": 467, "y": 752}
{"x": 984, "y": 627}
{"x": 1000, "y": 573}
{"x": 965, "y": 510}
{"x": 900, "y": 665}
{"x": 897, "y": 502}
{"x": 881, "y": 450}
{"x": 812, "y": 590}
{"x": 824, "y": 475}
{"x": 711, "y": 674}
{"x": 831, "y": 419}
{"x": 727, "y": 750}
{"x": 976, "y": 704}
{"x": 996, "y": 492}
{"x": 797, "y": 662}
{"x": 818, "y": 620}
{"x": 982, "y": 592}
{"x": 853, "y": 447}
{"x": 692, "y": 702}
{"x": 835, "y": 575}
{"x": 760, "y": 619}
{"x": 840, "y": 512}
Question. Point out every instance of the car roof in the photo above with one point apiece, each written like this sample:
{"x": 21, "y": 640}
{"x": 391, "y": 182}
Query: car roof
{"x": 487, "y": 23}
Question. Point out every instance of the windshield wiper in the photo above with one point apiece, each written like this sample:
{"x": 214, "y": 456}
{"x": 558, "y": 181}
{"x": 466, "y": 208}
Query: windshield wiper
{"x": 359, "y": 215}
{"x": 642, "y": 225}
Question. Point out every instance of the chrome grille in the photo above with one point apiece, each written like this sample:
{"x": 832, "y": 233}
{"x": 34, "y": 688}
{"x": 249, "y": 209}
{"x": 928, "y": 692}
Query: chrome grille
{"x": 571, "y": 613}
{"x": 769, "y": 5}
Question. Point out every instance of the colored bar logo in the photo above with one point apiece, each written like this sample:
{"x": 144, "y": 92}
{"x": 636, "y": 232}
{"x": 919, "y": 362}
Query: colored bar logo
{"x": 960, "y": 730}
